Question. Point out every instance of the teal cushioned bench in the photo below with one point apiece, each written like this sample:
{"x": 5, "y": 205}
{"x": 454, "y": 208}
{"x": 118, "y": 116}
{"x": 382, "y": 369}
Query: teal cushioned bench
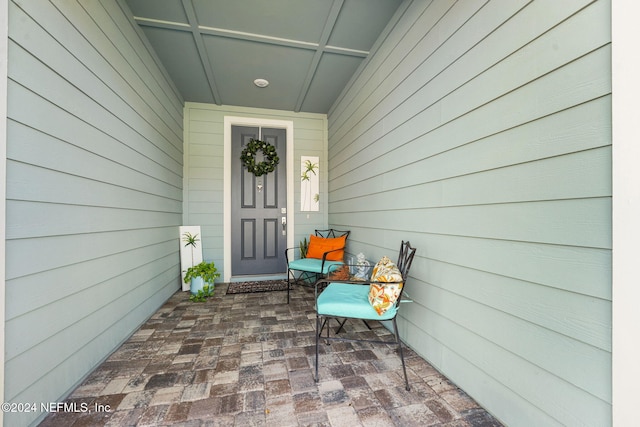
{"x": 310, "y": 266}
{"x": 344, "y": 300}
{"x": 314, "y": 265}
{"x": 349, "y": 300}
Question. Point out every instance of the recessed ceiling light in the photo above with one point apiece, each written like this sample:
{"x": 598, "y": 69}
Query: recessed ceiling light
{"x": 261, "y": 82}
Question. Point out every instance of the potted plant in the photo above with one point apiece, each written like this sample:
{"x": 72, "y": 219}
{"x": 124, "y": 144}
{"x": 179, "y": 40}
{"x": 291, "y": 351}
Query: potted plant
{"x": 202, "y": 278}
{"x": 304, "y": 246}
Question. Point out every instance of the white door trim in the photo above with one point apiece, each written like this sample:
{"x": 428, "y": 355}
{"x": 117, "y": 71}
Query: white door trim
{"x": 253, "y": 121}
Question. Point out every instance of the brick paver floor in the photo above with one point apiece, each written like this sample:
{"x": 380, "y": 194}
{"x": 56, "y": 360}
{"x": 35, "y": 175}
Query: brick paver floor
{"x": 248, "y": 360}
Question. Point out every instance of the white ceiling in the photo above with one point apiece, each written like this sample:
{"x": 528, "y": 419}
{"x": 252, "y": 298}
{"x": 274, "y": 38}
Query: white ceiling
{"x": 307, "y": 49}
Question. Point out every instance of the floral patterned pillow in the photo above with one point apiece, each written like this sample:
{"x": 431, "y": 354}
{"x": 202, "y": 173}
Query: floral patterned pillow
{"x": 382, "y": 296}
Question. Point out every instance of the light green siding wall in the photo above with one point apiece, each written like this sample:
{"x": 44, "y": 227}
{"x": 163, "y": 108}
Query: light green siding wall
{"x": 204, "y": 169}
{"x": 481, "y": 132}
{"x": 94, "y": 192}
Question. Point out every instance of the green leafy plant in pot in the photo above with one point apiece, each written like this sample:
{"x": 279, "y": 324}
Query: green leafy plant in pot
{"x": 202, "y": 278}
{"x": 304, "y": 247}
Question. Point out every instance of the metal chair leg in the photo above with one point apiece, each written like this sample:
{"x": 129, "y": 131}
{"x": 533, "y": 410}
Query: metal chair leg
{"x": 404, "y": 368}
{"x": 326, "y": 323}
{"x": 318, "y": 332}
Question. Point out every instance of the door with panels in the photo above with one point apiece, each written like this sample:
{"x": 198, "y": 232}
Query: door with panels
{"x": 258, "y": 210}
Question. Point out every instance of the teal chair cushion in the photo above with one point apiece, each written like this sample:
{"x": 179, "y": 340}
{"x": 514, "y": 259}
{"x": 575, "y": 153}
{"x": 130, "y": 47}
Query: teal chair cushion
{"x": 347, "y": 300}
{"x": 314, "y": 265}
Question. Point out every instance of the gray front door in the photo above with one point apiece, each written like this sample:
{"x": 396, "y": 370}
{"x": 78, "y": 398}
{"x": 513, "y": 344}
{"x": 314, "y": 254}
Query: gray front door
{"x": 258, "y": 235}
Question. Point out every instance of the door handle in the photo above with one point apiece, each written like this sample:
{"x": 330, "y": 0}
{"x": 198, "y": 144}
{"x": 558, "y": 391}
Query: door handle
{"x": 284, "y": 225}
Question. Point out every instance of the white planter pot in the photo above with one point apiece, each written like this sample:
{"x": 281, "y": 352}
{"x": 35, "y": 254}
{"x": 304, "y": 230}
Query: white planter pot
{"x": 198, "y": 283}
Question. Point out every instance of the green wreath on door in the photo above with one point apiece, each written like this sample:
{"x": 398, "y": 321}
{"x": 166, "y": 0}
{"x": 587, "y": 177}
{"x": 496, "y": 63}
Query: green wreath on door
{"x": 269, "y": 163}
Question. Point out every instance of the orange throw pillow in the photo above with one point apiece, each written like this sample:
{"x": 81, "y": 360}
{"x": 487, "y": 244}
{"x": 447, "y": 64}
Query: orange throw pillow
{"x": 319, "y": 245}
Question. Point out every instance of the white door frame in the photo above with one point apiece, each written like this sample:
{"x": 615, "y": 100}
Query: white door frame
{"x": 253, "y": 121}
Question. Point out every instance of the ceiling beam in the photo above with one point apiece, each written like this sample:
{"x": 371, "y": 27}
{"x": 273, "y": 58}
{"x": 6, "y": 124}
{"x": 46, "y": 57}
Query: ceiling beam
{"x": 202, "y": 51}
{"x": 240, "y": 35}
{"x": 324, "y": 38}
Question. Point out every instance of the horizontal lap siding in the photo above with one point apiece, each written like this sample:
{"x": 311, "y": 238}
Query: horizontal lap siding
{"x": 204, "y": 169}
{"x": 481, "y": 132}
{"x": 204, "y": 180}
{"x": 94, "y": 192}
